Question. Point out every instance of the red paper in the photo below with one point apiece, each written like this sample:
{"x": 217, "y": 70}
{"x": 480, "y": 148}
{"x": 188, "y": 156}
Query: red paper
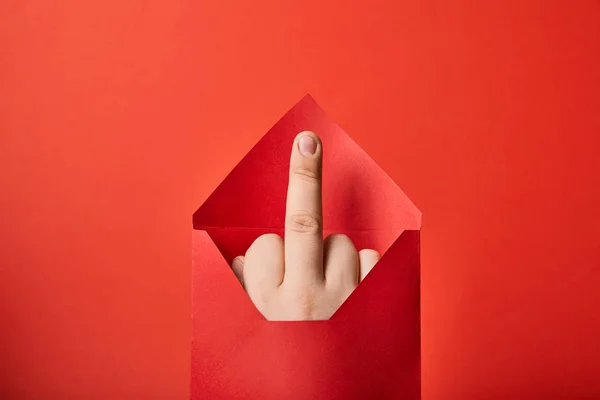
{"x": 370, "y": 348}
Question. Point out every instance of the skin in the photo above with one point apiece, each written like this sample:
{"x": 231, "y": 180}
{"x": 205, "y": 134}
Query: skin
{"x": 305, "y": 278}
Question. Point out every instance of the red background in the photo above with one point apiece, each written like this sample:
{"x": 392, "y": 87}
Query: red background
{"x": 117, "y": 119}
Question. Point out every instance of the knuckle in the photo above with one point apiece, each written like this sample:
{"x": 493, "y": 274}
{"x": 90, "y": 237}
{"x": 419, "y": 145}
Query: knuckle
{"x": 305, "y": 223}
{"x": 268, "y": 238}
{"x": 369, "y": 252}
{"x": 339, "y": 238}
{"x": 266, "y": 242}
{"x": 306, "y": 174}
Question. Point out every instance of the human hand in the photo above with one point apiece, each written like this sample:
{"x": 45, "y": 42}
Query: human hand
{"x": 305, "y": 278}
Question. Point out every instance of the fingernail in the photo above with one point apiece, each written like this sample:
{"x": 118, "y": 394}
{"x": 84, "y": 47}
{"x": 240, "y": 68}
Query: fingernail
{"x": 307, "y": 145}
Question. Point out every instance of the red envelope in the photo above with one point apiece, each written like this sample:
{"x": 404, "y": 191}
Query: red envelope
{"x": 370, "y": 348}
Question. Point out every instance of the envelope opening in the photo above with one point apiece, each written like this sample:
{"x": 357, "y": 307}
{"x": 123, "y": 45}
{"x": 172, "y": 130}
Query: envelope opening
{"x": 220, "y": 246}
{"x": 359, "y": 199}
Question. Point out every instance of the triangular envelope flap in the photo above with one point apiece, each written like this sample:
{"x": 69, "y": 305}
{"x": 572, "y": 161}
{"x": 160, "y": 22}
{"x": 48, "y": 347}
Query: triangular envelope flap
{"x": 357, "y": 194}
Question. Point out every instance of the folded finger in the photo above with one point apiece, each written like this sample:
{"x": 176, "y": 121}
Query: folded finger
{"x": 341, "y": 262}
{"x": 263, "y": 264}
{"x": 368, "y": 258}
{"x": 238, "y": 268}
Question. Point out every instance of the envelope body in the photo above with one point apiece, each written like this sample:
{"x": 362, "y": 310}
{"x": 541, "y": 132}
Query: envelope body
{"x": 370, "y": 348}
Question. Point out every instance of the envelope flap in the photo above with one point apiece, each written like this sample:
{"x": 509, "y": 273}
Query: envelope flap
{"x": 357, "y": 194}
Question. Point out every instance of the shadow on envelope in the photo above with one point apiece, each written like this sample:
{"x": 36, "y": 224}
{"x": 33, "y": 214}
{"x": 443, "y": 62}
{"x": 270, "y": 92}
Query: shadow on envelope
{"x": 370, "y": 348}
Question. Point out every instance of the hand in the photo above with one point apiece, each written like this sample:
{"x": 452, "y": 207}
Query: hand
{"x": 304, "y": 278}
